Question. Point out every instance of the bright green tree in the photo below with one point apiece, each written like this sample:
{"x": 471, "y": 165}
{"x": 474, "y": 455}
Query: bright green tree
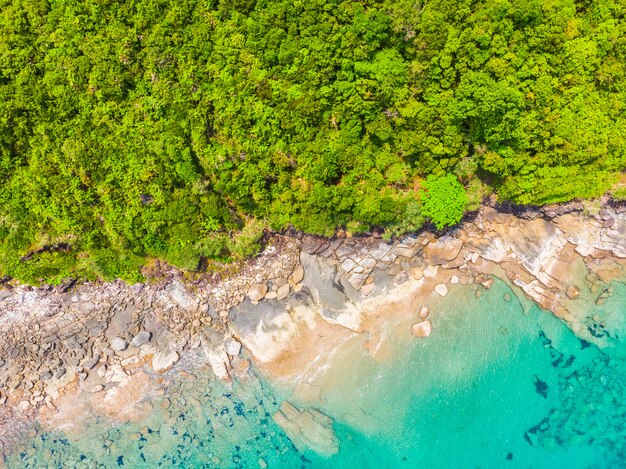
{"x": 444, "y": 200}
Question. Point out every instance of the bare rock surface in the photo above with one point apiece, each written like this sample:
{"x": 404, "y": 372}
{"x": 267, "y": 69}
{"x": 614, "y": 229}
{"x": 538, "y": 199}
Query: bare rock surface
{"x": 443, "y": 250}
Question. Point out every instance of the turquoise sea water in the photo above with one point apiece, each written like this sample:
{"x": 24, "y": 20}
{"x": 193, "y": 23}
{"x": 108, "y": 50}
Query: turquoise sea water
{"x": 500, "y": 383}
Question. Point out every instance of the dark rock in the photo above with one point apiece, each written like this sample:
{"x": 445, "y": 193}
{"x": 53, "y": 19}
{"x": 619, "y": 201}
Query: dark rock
{"x": 541, "y": 387}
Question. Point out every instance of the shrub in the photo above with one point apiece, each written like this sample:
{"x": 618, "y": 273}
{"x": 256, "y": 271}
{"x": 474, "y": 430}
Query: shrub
{"x": 444, "y": 200}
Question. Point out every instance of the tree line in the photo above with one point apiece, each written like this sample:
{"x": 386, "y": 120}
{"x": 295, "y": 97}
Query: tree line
{"x": 132, "y": 130}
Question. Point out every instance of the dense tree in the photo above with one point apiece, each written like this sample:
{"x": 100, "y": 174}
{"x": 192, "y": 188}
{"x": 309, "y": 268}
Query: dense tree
{"x": 133, "y": 130}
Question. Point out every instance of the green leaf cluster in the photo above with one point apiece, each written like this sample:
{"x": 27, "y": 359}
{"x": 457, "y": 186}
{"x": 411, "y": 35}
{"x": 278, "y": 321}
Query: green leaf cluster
{"x": 444, "y": 200}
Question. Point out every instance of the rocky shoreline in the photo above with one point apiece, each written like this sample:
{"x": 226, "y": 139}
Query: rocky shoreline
{"x": 79, "y": 353}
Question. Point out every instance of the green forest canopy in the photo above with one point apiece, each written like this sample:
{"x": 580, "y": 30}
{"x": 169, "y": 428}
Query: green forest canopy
{"x": 179, "y": 130}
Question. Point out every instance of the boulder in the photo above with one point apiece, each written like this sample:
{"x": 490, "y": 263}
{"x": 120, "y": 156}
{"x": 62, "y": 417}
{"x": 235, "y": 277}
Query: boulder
{"x": 232, "y": 346}
{"x": 357, "y": 280}
{"x": 282, "y": 292}
{"x": 442, "y": 289}
{"x": 178, "y": 292}
{"x": 118, "y": 344}
{"x": 424, "y": 312}
{"x": 257, "y": 291}
{"x": 422, "y": 329}
{"x": 140, "y": 339}
{"x": 443, "y": 250}
{"x": 297, "y": 275}
{"x": 348, "y": 264}
{"x": 91, "y": 362}
{"x": 218, "y": 361}
{"x": 164, "y": 361}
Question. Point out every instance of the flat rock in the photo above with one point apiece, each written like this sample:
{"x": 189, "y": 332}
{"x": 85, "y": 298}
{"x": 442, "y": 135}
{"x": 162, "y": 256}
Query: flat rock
{"x": 443, "y": 250}
{"x": 257, "y": 291}
{"x": 164, "y": 361}
{"x": 319, "y": 278}
{"x": 422, "y": 329}
{"x": 442, "y": 289}
{"x": 348, "y": 264}
{"x": 308, "y": 429}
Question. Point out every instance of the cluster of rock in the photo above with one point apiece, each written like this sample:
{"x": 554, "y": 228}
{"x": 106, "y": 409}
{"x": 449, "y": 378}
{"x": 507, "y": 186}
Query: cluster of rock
{"x": 550, "y": 259}
{"x": 277, "y": 287}
{"x": 112, "y": 341}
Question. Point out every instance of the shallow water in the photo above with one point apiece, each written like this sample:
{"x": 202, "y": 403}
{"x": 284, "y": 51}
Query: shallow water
{"x": 498, "y": 384}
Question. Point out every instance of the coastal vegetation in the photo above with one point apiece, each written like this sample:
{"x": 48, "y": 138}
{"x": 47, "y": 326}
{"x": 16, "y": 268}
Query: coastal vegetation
{"x": 132, "y": 130}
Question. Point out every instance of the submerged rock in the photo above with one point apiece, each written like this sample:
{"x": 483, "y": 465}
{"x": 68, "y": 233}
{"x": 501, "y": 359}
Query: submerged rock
{"x": 308, "y": 429}
{"x": 572, "y": 292}
{"x": 541, "y": 387}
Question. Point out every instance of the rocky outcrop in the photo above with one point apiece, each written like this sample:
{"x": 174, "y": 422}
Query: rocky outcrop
{"x": 308, "y": 429}
{"x": 76, "y": 340}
